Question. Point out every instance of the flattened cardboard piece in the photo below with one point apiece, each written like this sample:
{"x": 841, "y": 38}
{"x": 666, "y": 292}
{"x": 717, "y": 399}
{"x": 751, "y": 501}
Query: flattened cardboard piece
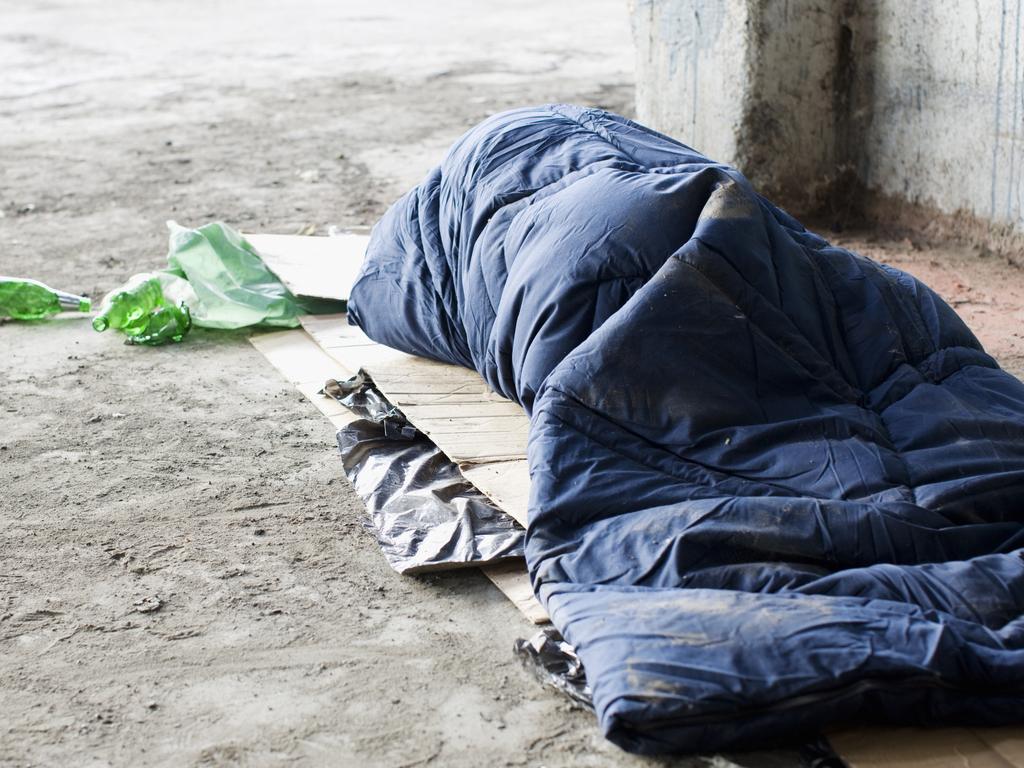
{"x": 931, "y": 748}
{"x": 1008, "y": 742}
{"x": 318, "y": 267}
{"x": 301, "y": 361}
{"x": 307, "y": 366}
{"x": 450, "y": 404}
{"x": 513, "y": 579}
{"x": 506, "y": 483}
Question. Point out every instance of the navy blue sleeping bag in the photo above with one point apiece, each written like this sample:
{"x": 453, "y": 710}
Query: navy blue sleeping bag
{"x": 774, "y": 483}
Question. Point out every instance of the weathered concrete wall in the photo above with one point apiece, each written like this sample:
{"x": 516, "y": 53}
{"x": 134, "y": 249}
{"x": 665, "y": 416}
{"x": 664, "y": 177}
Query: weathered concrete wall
{"x": 825, "y": 100}
{"x": 693, "y": 75}
{"x": 948, "y": 107}
{"x": 749, "y": 82}
{"x": 798, "y": 127}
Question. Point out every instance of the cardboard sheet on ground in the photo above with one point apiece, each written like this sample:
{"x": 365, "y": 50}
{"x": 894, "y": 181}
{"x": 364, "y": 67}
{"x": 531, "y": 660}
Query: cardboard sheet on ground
{"x": 318, "y": 267}
{"x": 482, "y": 432}
{"x": 919, "y": 748}
{"x": 303, "y": 363}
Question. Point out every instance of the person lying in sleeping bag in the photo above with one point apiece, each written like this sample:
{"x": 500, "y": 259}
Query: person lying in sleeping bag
{"x": 774, "y": 484}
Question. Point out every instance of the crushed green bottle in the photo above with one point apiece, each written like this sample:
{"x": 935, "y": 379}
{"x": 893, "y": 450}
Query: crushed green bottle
{"x": 24, "y": 299}
{"x": 168, "y": 323}
{"x": 143, "y": 313}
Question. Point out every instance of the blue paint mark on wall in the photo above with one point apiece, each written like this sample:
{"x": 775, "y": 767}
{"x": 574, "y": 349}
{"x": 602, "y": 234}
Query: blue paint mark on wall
{"x": 1014, "y": 124}
{"x": 696, "y": 73}
{"x": 1013, "y": 200}
{"x": 999, "y": 107}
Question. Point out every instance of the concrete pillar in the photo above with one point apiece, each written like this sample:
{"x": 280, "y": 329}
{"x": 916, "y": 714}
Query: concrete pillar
{"x": 826, "y": 104}
{"x": 760, "y": 84}
{"x": 948, "y": 106}
{"x": 693, "y": 73}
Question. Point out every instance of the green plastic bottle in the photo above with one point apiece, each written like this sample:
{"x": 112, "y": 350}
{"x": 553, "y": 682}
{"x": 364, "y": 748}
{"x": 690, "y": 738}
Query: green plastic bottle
{"x": 24, "y": 299}
{"x": 165, "y": 324}
{"x": 141, "y": 311}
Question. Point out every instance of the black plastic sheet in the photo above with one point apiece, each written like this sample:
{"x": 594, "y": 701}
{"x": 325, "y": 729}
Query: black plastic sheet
{"x": 554, "y": 662}
{"x": 425, "y": 514}
{"x": 820, "y": 754}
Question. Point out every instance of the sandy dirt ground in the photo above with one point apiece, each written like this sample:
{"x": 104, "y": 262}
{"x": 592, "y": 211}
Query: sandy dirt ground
{"x": 183, "y": 576}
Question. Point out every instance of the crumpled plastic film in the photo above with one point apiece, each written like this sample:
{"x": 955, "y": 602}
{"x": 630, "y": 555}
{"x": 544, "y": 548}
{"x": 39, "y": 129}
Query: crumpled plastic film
{"x": 225, "y": 283}
{"x": 425, "y": 514}
{"x": 554, "y": 662}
